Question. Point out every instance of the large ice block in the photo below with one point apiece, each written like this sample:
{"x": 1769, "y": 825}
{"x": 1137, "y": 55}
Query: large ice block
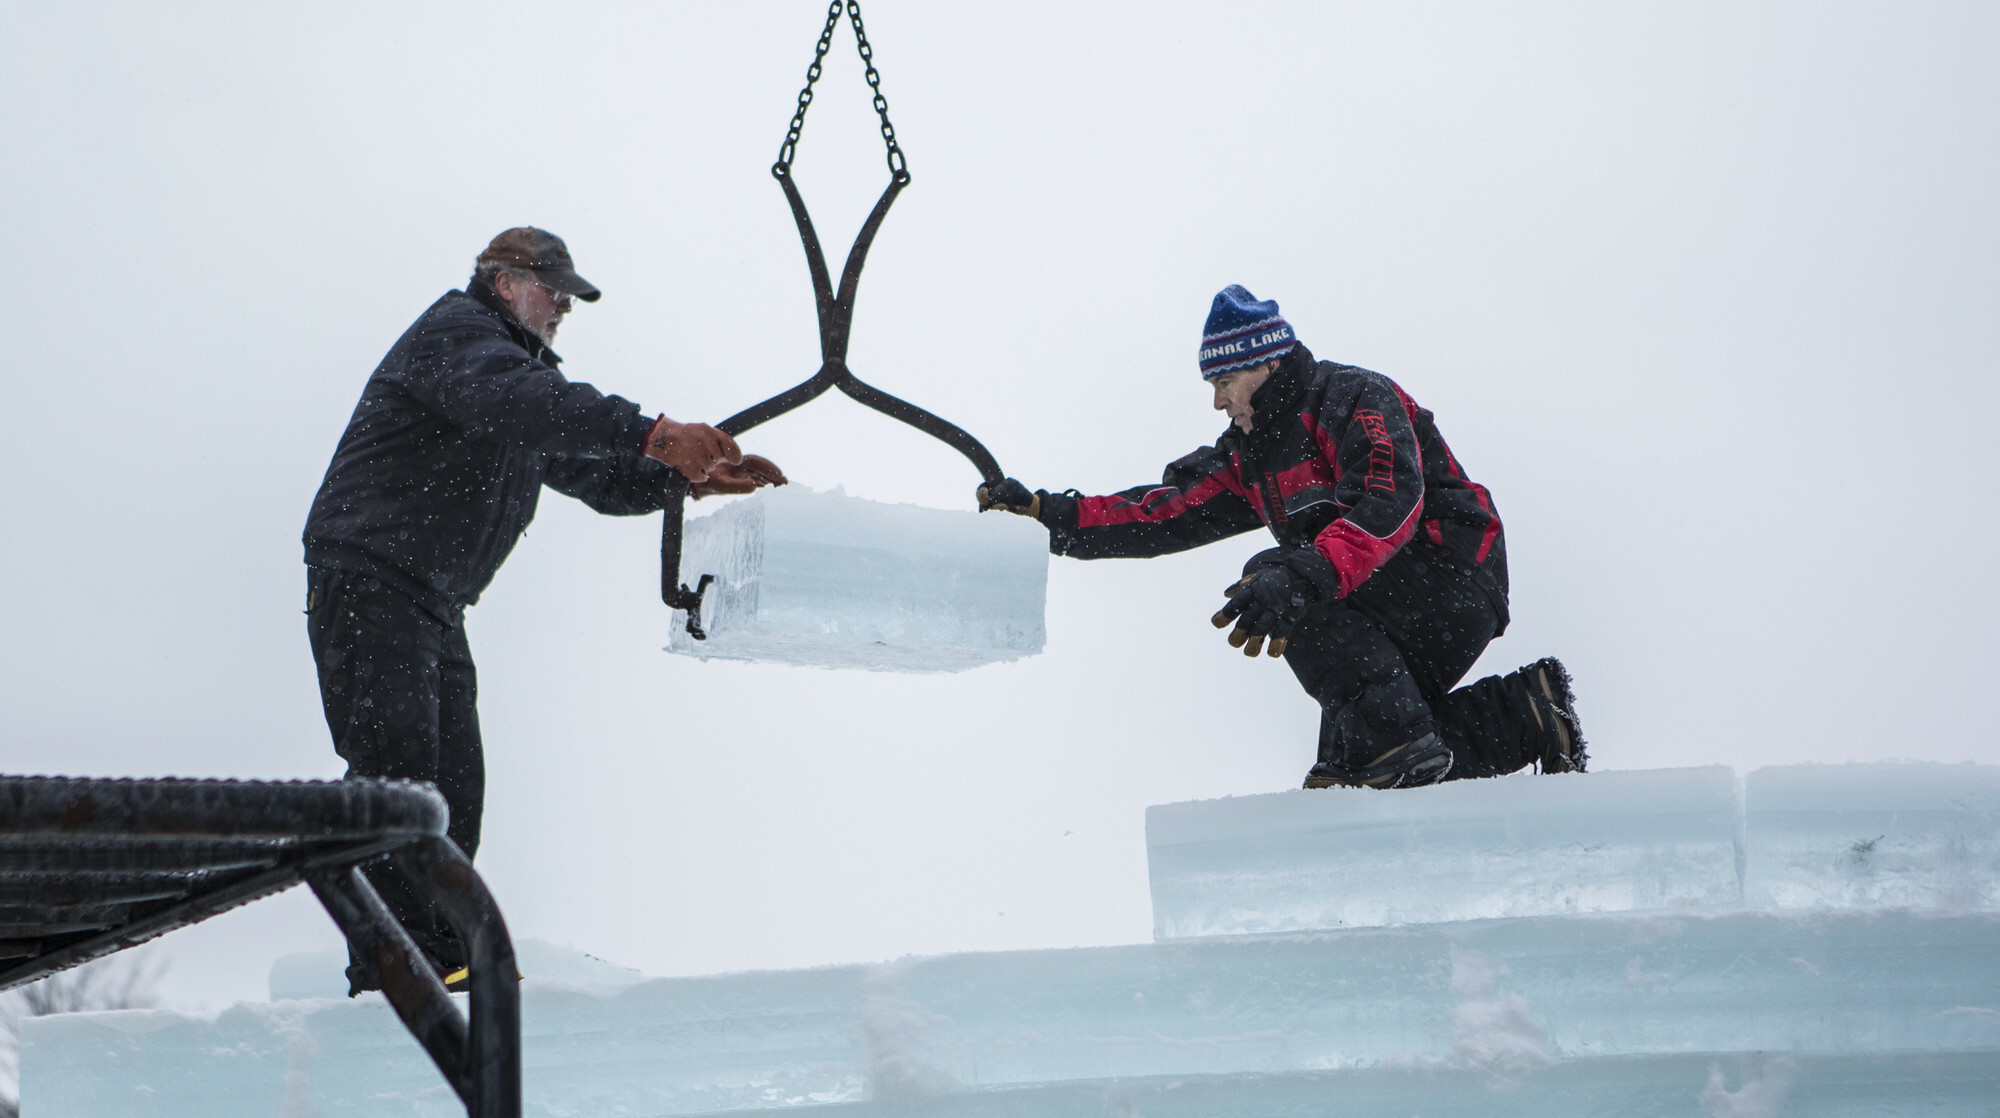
{"x": 1525, "y": 845}
{"x": 829, "y": 580}
{"x": 1846, "y": 1013}
{"x": 1873, "y": 835}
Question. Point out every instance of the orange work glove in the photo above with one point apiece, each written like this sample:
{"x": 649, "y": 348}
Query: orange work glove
{"x": 754, "y": 472}
{"x": 695, "y": 449}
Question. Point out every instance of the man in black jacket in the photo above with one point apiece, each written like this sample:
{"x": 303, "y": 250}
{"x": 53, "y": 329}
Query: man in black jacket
{"x": 433, "y": 482}
{"x": 1390, "y": 574}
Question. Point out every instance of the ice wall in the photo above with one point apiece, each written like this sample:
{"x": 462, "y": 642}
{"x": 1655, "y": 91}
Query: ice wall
{"x": 829, "y": 580}
{"x": 1656, "y": 840}
{"x": 1813, "y": 940}
{"x": 1550, "y": 1016}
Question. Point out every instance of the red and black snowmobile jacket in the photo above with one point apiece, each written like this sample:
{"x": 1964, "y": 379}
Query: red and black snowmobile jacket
{"x": 1339, "y": 458}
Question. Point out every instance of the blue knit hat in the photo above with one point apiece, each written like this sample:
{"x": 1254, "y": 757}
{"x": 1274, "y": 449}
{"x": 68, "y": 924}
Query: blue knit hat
{"x": 1243, "y": 332}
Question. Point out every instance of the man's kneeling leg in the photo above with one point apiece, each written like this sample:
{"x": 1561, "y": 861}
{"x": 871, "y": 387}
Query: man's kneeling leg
{"x": 1376, "y": 730}
{"x": 1505, "y": 723}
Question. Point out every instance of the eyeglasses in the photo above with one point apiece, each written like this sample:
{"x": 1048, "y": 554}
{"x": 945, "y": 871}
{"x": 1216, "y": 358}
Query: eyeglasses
{"x": 561, "y": 299}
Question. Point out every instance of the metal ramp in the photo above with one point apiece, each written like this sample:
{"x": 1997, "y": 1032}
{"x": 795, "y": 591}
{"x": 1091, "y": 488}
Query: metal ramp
{"x": 91, "y": 867}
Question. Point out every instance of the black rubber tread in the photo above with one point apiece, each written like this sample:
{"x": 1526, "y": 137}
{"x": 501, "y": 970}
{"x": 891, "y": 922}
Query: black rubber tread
{"x": 96, "y": 855}
{"x": 45, "y": 930}
{"x": 91, "y": 914}
{"x": 57, "y": 888}
{"x": 344, "y": 809}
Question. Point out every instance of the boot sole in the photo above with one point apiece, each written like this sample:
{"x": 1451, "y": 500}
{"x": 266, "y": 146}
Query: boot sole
{"x": 1433, "y": 765}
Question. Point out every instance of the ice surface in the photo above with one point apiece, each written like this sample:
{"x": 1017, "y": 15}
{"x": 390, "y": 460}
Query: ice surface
{"x": 1657, "y": 840}
{"x": 1825, "y": 988}
{"x": 829, "y": 580}
{"x": 1525, "y": 845}
{"x": 1419, "y": 1015}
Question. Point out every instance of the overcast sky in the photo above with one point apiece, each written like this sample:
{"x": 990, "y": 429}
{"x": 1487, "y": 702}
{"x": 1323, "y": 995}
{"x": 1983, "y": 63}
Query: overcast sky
{"x": 1703, "y": 292}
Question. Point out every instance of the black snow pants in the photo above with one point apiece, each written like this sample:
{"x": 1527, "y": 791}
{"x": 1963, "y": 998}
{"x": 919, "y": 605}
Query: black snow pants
{"x": 1384, "y": 661}
{"x": 398, "y": 688}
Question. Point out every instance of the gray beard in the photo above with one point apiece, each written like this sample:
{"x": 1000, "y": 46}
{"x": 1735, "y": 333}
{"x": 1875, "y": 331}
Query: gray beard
{"x": 547, "y": 332}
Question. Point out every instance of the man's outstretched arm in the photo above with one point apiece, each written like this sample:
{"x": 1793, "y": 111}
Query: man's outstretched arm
{"x": 665, "y": 471}
{"x": 1199, "y": 500}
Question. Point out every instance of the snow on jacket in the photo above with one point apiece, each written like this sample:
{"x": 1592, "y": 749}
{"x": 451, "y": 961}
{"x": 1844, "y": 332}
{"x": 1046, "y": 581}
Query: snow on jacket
{"x": 1339, "y": 458}
{"x": 458, "y": 429}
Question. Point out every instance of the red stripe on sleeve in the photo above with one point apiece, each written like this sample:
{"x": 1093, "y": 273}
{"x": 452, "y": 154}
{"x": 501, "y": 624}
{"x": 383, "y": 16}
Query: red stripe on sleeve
{"x": 1153, "y": 507}
{"x": 1479, "y": 494}
{"x": 1492, "y": 522}
{"x": 1356, "y": 554}
{"x": 1313, "y": 473}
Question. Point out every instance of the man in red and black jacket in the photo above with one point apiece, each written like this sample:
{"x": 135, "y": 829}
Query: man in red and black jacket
{"x": 1390, "y": 574}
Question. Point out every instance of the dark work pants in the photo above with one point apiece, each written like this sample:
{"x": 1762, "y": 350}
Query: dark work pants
{"x": 1383, "y": 663}
{"x": 398, "y": 688}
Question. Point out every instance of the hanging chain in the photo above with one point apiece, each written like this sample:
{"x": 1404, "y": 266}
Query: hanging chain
{"x": 898, "y": 169}
{"x": 784, "y": 163}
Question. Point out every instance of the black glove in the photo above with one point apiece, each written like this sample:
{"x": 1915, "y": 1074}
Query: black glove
{"x": 1264, "y": 561}
{"x": 1011, "y": 495}
{"x": 1277, "y": 588}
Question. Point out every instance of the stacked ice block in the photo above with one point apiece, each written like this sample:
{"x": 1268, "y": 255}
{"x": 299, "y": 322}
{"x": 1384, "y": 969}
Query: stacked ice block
{"x": 1669, "y": 841}
{"x": 1657, "y": 840}
{"x": 1808, "y": 941}
{"x": 829, "y": 580}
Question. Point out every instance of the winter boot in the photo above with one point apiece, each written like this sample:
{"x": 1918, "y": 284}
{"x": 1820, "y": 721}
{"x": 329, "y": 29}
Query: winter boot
{"x": 1420, "y": 761}
{"x": 1554, "y": 709}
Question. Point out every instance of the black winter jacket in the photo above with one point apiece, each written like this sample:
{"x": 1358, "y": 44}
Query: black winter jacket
{"x": 1339, "y": 458}
{"x": 458, "y": 429}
